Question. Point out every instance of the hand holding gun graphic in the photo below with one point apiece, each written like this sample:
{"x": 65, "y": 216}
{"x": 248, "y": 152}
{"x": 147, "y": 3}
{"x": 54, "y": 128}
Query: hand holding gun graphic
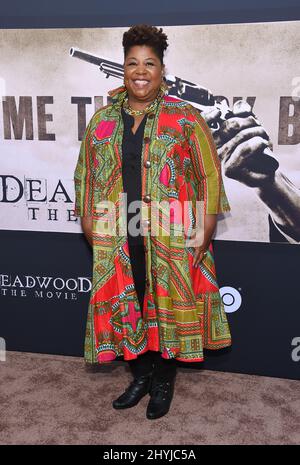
{"x": 243, "y": 145}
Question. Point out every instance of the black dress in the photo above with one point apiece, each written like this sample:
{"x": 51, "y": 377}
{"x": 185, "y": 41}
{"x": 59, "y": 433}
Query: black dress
{"x": 132, "y": 145}
{"x": 132, "y": 182}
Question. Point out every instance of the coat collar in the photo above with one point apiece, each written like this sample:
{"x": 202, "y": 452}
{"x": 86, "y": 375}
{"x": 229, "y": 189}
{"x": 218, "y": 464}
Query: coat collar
{"x": 118, "y": 95}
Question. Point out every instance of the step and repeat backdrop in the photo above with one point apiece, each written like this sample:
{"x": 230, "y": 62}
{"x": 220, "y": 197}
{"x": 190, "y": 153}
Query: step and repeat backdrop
{"x": 53, "y": 80}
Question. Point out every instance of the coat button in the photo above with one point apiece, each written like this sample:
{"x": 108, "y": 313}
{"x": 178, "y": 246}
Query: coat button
{"x": 151, "y": 115}
{"x": 147, "y": 164}
{"x": 147, "y": 198}
{"x": 146, "y": 140}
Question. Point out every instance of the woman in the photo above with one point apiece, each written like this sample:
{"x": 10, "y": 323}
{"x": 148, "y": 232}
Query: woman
{"x": 155, "y": 298}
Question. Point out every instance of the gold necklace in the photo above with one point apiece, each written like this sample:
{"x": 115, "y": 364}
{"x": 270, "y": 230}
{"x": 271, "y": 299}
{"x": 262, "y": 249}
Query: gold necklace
{"x": 132, "y": 112}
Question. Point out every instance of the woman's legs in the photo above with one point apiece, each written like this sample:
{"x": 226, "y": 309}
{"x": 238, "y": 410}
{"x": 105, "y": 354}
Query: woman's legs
{"x": 151, "y": 361}
{"x": 142, "y": 365}
{"x": 162, "y": 386}
{"x": 164, "y": 369}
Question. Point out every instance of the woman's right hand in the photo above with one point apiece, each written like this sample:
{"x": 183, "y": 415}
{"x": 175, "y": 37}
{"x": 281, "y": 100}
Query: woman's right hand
{"x": 87, "y": 227}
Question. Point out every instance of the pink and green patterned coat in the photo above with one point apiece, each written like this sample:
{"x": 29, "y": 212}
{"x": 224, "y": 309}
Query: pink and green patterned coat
{"x": 183, "y": 312}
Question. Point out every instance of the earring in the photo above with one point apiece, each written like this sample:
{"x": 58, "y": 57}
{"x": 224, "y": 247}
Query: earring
{"x": 164, "y": 88}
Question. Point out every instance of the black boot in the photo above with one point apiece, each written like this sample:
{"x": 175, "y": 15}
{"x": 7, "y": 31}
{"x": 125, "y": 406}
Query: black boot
{"x": 137, "y": 389}
{"x": 161, "y": 396}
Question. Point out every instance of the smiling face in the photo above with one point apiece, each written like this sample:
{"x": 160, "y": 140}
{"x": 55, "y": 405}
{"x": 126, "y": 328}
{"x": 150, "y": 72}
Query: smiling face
{"x": 143, "y": 74}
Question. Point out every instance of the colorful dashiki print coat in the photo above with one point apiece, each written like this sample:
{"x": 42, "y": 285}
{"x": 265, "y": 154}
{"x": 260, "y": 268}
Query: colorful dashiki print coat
{"x": 183, "y": 312}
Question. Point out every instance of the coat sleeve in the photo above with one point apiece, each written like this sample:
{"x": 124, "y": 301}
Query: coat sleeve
{"x": 83, "y": 178}
{"x": 206, "y": 166}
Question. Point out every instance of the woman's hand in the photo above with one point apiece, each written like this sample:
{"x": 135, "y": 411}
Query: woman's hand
{"x": 87, "y": 226}
{"x": 200, "y": 252}
{"x": 210, "y": 223}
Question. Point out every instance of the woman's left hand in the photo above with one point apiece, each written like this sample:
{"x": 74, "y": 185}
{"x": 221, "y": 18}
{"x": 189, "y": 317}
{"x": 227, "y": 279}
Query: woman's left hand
{"x": 200, "y": 252}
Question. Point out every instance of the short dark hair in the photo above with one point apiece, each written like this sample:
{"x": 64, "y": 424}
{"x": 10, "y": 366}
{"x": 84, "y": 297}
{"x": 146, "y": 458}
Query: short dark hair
{"x": 144, "y": 34}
